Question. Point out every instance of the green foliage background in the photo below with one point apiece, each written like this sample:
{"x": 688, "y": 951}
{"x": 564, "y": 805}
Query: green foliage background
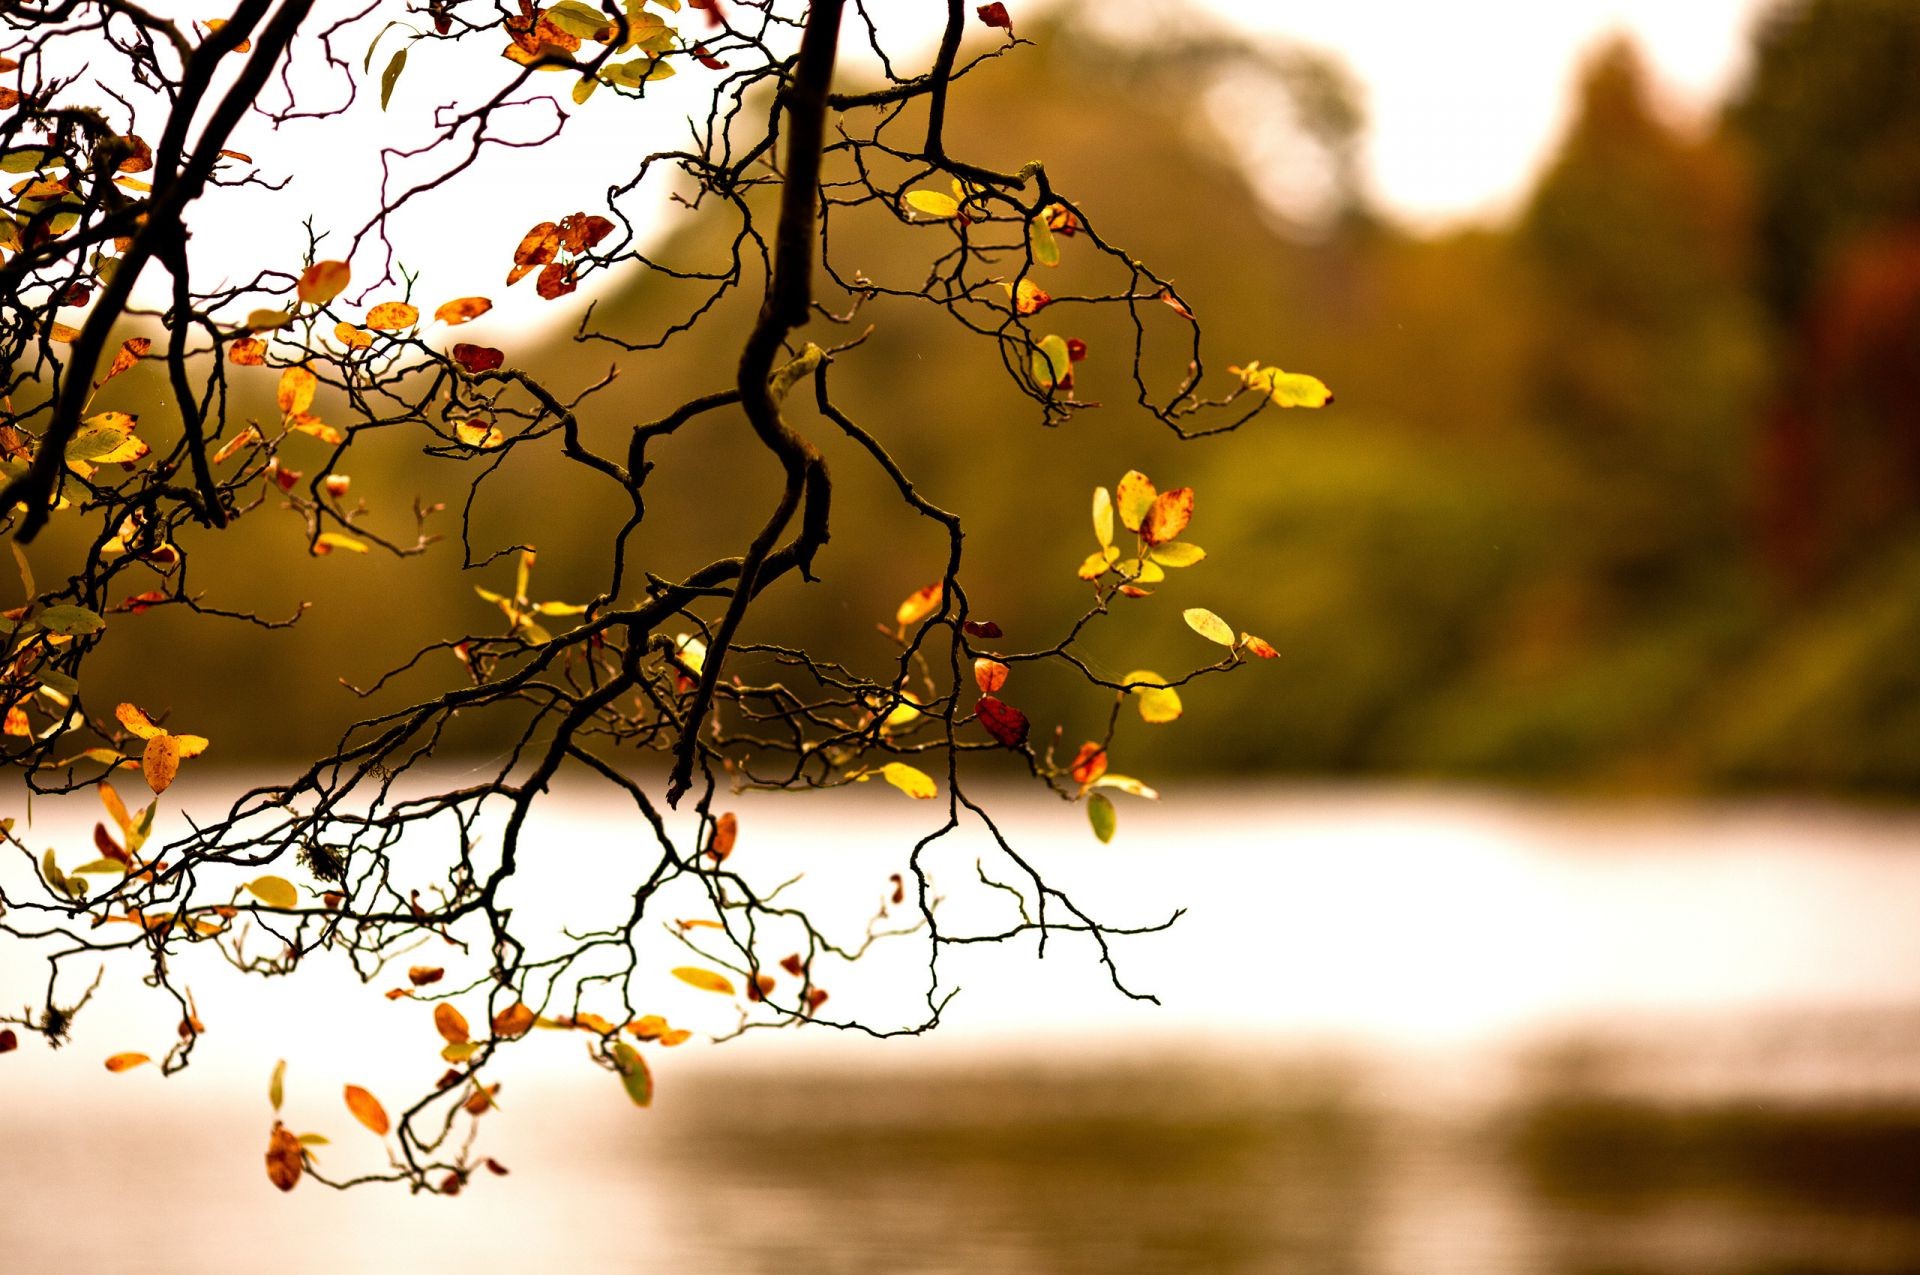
{"x": 1549, "y": 532}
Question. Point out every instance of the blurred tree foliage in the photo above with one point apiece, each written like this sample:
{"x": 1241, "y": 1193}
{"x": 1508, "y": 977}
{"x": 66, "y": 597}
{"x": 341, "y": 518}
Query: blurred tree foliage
{"x": 1625, "y": 492}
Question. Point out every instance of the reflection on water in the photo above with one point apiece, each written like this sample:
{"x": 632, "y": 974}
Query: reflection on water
{"x": 1412, "y": 1037}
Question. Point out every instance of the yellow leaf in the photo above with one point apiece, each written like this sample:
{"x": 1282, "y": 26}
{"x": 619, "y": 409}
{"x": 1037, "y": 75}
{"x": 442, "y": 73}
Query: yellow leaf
{"x": 920, "y": 604}
{"x": 1208, "y": 625}
{"x": 1102, "y": 517}
{"x": 277, "y": 1087}
{"x": 352, "y": 337}
{"x": 327, "y": 541}
{"x": 933, "y": 204}
{"x": 1176, "y": 553}
{"x": 265, "y": 321}
{"x": 1095, "y": 564}
{"x": 1136, "y": 497}
{"x": 393, "y": 316}
{"x": 1159, "y": 703}
{"x": 915, "y": 783}
{"x": 126, "y": 1062}
{"x": 460, "y": 1051}
{"x": 705, "y": 980}
{"x": 275, "y": 892}
{"x": 296, "y": 390}
{"x": 138, "y": 723}
{"x": 322, "y": 281}
{"x": 480, "y": 434}
{"x": 1127, "y": 784}
{"x": 367, "y": 1110}
{"x": 1287, "y": 389}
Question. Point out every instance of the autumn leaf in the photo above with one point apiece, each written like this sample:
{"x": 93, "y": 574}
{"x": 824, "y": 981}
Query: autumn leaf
{"x": 478, "y": 358}
{"x": 725, "y": 829}
{"x": 423, "y": 975}
{"x": 1103, "y": 517}
{"x": 482, "y": 435}
{"x": 284, "y": 1157}
{"x": 1168, "y": 516}
{"x": 1002, "y": 721}
{"x": 1135, "y": 499}
{"x": 556, "y": 280}
{"x": 451, "y": 1024}
{"x": 367, "y": 1110}
{"x": 995, "y": 15}
{"x": 462, "y": 310}
{"x": 515, "y": 1020}
{"x": 160, "y": 762}
{"x": 247, "y": 351}
{"x": 1089, "y": 763}
{"x": 393, "y": 316}
{"x": 537, "y": 247}
{"x": 352, "y": 337}
{"x": 126, "y": 1062}
{"x": 1286, "y": 389}
{"x": 69, "y": 621}
{"x": 1258, "y": 646}
{"x": 106, "y": 438}
{"x": 1158, "y": 702}
{"x": 277, "y": 1087}
{"x": 295, "y": 394}
{"x": 913, "y": 782}
{"x": 989, "y": 675}
{"x": 1208, "y": 625}
{"x": 933, "y": 203}
{"x": 920, "y": 604}
{"x": 131, "y": 351}
{"x": 322, "y": 281}
{"x": 275, "y": 892}
{"x": 704, "y": 979}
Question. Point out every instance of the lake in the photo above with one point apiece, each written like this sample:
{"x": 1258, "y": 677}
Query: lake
{"x": 1402, "y": 1030}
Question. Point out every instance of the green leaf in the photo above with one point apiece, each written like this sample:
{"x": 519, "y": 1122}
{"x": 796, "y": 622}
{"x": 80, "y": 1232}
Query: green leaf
{"x": 1176, "y": 553}
{"x": 27, "y": 159}
{"x": 55, "y": 680}
{"x": 1052, "y": 365}
{"x": 69, "y": 620}
{"x": 1046, "y": 247}
{"x": 1100, "y": 814}
{"x": 633, "y": 1073}
{"x": 578, "y": 19}
{"x": 392, "y": 74}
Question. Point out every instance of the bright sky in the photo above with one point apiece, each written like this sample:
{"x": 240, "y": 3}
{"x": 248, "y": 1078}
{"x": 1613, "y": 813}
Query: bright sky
{"x": 1466, "y": 98}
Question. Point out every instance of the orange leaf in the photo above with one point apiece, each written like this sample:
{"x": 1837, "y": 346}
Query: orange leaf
{"x": 322, "y": 281}
{"x": 393, "y": 316}
{"x": 536, "y": 248}
{"x": 367, "y": 1110}
{"x": 284, "y": 1162}
{"x": 515, "y": 1020}
{"x": 126, "y": 1062}
{"x": 421, "y": 975}
{"x": 451, "y": 1024}
{"x": 555, "y": 281}
{"x": 1168, "y": 516}
{"x": 462, "y": 310}
{"x": 725, "y": 829}
{"x": 1089, "y": 763}
{"x": 1258, "y": 646}
{"x": 989, "y": 675}
{"x": 161, "y": 762}
{"x": 132, "y": 350}
{"x": 247, "y": 351}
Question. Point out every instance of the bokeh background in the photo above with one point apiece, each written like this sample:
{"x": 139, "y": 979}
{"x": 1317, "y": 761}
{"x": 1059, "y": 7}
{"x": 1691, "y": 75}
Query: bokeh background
{"x": 1552, "y": 895}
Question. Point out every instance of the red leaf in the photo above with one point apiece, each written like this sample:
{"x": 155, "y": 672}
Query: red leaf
{"x": 1003, "y": 721}
{"x": 1089, "y": 763}
{"x": 477, "y": 358}
{"x": 995, "y": 15}
{"x": 1076, "y": 349}
{"x": 982, "y": 629}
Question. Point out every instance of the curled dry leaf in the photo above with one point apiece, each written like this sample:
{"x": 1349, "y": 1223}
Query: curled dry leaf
{"x": 725, "y": 829}
{"x": 367, "y": 1110}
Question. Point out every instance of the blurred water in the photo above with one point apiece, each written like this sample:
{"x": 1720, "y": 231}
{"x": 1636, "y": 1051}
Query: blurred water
{"x": 1402, "y": 1032}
